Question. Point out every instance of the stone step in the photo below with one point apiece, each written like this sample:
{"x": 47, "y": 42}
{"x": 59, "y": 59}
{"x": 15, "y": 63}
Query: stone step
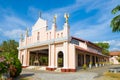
{"x": 58, "y": 70}
{"x": 37, "y": 67}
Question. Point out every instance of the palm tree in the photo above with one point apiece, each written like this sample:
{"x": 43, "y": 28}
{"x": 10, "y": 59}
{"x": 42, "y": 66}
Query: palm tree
{"x": 115, "y": 23}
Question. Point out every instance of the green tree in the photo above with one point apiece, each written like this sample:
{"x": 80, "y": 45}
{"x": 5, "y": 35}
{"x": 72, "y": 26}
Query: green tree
{"x": 118, "y": 58}
{"x": 104, "y": 46}
{"x": 115, "y": 23}
{"x": 10, "y": 46}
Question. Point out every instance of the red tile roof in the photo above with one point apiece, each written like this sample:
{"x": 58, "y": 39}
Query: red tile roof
{"x": 114, "y": 53}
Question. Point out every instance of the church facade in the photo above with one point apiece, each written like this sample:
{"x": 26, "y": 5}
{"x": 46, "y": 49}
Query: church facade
{"x": 57, "y": 49}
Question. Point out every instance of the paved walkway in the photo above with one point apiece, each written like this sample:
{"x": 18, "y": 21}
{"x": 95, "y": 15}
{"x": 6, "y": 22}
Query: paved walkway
{"x": 90, "y": 74}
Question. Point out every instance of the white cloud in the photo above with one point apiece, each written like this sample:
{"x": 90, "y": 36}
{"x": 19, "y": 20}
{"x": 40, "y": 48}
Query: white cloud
{"x": 59, "y": 11}
{"x": 11, "y": 26}
{"x": 92, "y": 31}
{"x": 115, "y": 49}
{"x": 14, "y": 34}
{"x": 114, "y": 44}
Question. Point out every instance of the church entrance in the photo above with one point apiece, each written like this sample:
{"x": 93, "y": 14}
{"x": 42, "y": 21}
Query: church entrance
{"x": 60, "y": 59}
{"x": 39, "y": 58}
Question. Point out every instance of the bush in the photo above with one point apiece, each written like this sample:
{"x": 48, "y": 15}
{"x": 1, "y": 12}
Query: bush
{"x": 16, "y": 68}
{"x": 84, "y": 66}
{"x": 3, "y": 66}
{"x": 13, "y": 64}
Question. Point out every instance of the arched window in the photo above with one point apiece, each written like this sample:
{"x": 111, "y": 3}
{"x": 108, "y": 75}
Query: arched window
{"x": 60, "y": 59}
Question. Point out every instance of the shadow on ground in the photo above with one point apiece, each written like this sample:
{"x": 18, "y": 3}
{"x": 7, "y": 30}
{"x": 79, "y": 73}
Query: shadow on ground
{"x": 25, "y": 75}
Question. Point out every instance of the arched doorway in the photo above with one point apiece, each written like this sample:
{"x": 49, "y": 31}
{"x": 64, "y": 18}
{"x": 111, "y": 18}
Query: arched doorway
{"x": 60, "y": 59}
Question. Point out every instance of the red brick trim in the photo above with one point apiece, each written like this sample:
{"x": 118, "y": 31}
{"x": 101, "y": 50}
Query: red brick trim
{"x": 63, "y": 70}
{"x": 50, "y": 69}
{"x": 72, "y": 70}
{"x": 68, "y": 70}
{"x": 24, "y": 66}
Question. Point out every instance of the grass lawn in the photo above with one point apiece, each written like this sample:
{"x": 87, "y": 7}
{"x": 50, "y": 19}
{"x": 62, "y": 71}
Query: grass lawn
{"x": 27, "y": 78}
{"x": 110, "y": 76}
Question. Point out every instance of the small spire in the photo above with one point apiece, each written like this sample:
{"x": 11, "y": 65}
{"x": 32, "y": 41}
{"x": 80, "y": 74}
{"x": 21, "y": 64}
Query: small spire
{"x": 21, "y": 36}
{"x": 66, "y": 16}
{"x": 55, "y": 17}
{"x": 27, "y": 30}
{"x": 40, "y": 14}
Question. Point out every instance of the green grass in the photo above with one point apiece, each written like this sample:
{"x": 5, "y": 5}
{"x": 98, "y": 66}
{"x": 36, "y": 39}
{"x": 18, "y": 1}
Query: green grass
{"x": 109, "y": 76}
{"x": 26, "y": 79}
{"x": 113, "y": 75}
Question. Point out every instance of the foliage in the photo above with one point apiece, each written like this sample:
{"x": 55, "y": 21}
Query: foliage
{"x": 118, "y": 58}
{"x": 90, "y": 63}
{"x": 44, "y": 60}
{"x": 84, "y": 67}
{"x": 10, "y": 46}
{"x": 14, "y": 65}
{"x": 104, "y": 46}
{"x": 115, "y": 23}
{"x": 60, "y": 62}
{"x": 10, "y": 52}
{"x": 3, "y": 65}
{"x": 16, "y": 68}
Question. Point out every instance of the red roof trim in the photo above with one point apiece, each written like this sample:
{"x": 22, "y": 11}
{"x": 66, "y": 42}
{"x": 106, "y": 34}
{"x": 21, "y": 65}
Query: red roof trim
{"x": 114, "y": 53}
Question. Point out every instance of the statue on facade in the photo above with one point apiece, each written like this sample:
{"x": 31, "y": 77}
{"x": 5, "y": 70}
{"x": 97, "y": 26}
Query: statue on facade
{"x": 55, "y": 17}
{"x": 66, "y": 16}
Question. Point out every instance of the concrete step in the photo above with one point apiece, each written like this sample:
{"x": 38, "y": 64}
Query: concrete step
{"x": 58, "y": 70}
{"x": 37, "y": 67}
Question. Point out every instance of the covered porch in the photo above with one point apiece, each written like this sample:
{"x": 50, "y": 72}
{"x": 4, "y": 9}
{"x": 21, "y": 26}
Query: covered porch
{"x": 39, "y": 58}
{"x": 84, "y": 57}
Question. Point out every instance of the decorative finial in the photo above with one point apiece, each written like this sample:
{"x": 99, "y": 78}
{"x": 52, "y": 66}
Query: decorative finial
{"x": 55, "y": 17}
{"x": 27, "y": 30}
{"x": 66, "y": 16}
{"x": 40, "y": 14}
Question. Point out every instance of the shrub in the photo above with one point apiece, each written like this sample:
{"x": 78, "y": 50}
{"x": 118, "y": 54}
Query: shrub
{"x": 3, "y": 66}
{"x": 90, "y": 63}
{"x": 84, "y": 66}
{"x": 13, "y": 64}
{"x": 16, "y": 68}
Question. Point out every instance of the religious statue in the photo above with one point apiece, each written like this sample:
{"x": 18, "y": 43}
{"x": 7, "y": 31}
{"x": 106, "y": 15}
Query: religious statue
{"x": 54, "y": 20}
{"x": 66, "y": 16}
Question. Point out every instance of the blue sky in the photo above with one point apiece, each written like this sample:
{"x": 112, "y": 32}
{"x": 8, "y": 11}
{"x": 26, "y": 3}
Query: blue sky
{"x": 89, "y": 19}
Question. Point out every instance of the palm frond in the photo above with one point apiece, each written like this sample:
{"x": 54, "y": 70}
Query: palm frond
{"x": 116, "y": 9}
{"x": 115, "y": 24}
